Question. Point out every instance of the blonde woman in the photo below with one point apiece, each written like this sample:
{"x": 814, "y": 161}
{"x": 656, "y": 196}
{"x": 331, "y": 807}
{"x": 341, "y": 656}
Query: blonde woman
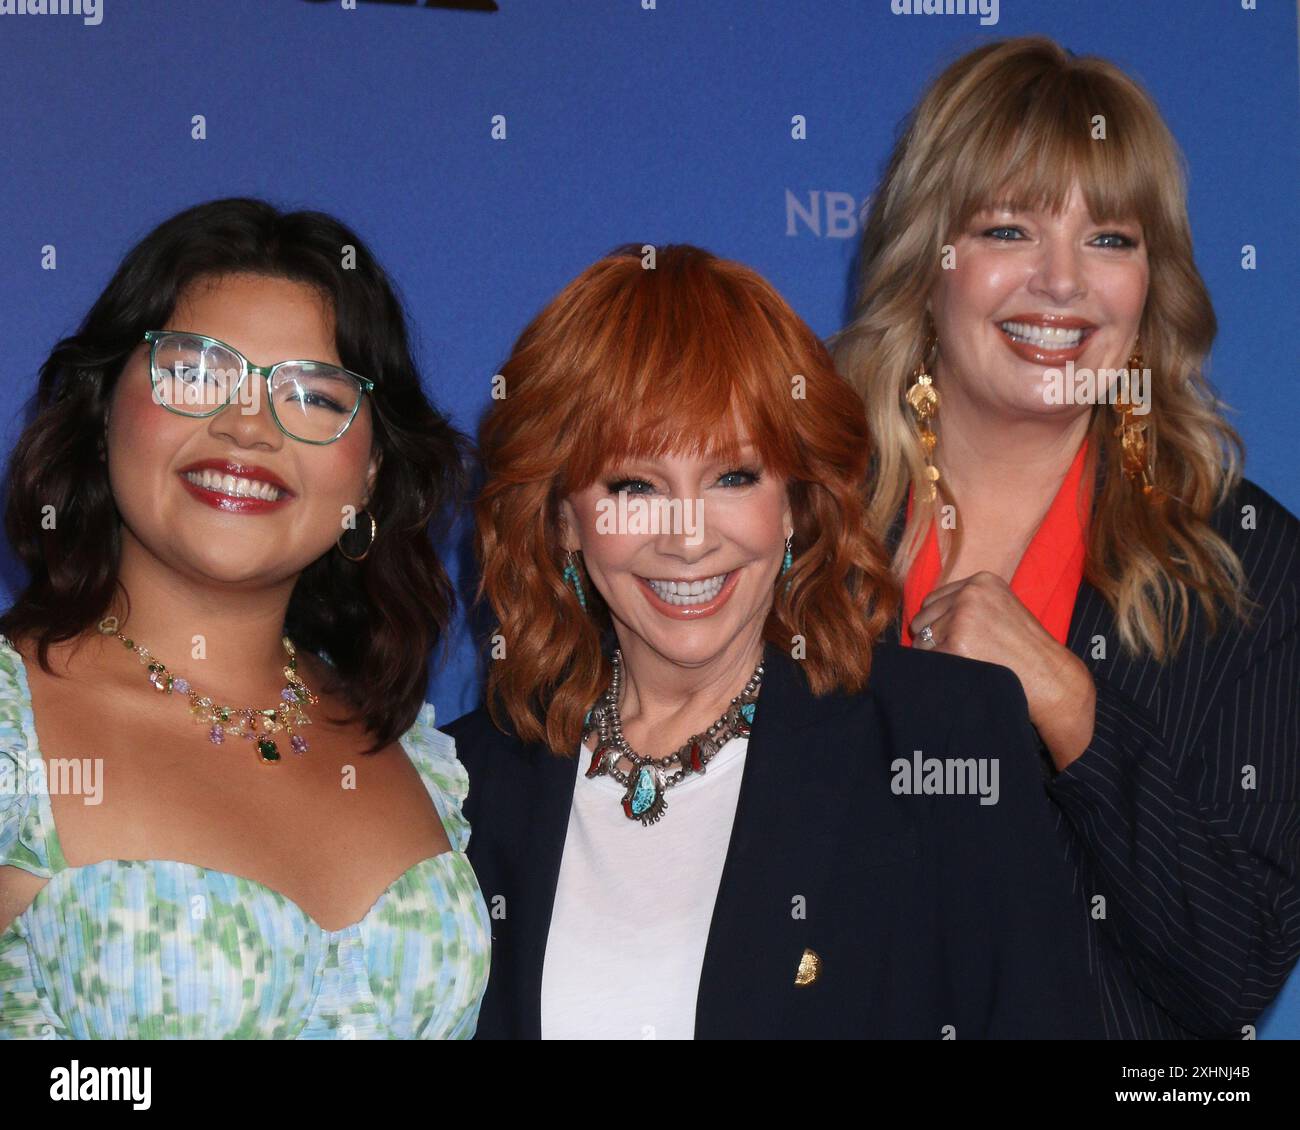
{"x": 1091, "y": 531}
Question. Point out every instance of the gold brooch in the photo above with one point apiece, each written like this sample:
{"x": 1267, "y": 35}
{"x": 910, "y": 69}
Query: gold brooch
{"x": 810, "y": 968}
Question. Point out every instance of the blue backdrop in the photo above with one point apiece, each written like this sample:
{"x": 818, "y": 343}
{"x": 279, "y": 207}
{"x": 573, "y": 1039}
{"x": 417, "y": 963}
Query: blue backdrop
{"x": 624, "y": 121}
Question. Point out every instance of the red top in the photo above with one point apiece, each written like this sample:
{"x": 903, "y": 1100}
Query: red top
{"x": 1048, "y": 576}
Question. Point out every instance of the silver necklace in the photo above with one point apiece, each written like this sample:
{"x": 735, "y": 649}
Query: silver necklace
{"x": 649, "y": 778}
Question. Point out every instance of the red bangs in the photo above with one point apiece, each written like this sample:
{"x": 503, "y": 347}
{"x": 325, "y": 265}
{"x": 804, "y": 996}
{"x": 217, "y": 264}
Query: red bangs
{"x": 696, "y": 356}
{"x": 713, "y": 418}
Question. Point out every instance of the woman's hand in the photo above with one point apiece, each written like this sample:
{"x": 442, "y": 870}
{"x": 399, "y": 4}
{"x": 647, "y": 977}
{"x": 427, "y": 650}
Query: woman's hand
{"x": 981, "y": 618}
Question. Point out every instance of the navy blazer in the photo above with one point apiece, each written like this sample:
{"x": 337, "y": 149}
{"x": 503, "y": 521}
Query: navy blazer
{"x": 933, "y": 916}
{"x": 1183, "y": 814}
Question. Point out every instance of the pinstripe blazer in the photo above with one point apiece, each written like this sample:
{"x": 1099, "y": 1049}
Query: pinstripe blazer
{"x": 1181, "y": 819}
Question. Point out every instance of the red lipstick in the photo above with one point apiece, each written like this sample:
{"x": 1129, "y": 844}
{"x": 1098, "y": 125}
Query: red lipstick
{"x": 219, "y": 497}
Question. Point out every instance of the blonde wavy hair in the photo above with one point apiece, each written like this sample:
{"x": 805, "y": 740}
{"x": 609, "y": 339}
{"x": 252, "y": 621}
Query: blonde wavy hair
{"x": 1010, "y": 125}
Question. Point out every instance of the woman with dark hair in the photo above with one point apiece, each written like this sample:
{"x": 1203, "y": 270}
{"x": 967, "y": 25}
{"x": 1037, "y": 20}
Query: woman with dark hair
{"x": 224, "y": 500}
{"x": 712, "y": 804}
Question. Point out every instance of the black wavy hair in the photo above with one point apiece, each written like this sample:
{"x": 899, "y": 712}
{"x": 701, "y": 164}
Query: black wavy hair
{"x": 377, "y": 620}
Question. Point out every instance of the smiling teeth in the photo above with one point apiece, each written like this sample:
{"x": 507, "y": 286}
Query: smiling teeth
{"x": 686, "y": 593}
{"x": 1050, "y": 337}
{"x": 236, "y": 487}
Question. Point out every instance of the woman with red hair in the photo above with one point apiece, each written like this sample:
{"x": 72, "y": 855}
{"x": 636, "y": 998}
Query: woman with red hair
{"x": 706, "y": 800}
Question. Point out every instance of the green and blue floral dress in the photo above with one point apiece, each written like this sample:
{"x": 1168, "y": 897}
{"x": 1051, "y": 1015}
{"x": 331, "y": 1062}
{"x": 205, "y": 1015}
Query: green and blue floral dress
{"x": 156, "y": 949}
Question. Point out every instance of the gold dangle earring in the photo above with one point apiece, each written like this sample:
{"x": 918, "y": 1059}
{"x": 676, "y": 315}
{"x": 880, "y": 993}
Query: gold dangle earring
{"x": 923, "y": 398}
{"x": 1135, "y": 451}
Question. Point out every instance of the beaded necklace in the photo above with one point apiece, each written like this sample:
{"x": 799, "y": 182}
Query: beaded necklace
{"x": 234, "y": 721}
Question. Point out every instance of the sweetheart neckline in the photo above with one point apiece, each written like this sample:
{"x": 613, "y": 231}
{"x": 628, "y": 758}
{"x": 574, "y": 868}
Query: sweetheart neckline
{"x": 33, "y": 747}
{"x": 278, "y": 895}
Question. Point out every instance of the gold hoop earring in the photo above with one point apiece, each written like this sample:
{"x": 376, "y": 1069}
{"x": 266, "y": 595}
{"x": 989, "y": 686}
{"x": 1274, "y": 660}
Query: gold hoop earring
{"x": 1135, "y": 452}
{"x": 374, "y": 529}
{"x": 923, "y": 398}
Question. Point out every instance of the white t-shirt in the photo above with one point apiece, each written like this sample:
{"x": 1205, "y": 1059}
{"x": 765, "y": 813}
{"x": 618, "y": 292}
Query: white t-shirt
{"x": 633, "y": 906}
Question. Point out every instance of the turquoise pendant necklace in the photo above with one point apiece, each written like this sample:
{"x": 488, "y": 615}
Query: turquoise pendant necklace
{"x": 648, "y": 779}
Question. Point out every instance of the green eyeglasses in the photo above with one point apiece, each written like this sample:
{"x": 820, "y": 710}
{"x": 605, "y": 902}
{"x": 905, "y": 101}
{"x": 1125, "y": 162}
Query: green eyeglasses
{"x": 198, "y": 376}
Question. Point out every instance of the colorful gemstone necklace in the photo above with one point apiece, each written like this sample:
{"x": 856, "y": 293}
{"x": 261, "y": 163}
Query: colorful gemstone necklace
{"x": 232, "y": 721}
{"x": 648, "y": 779}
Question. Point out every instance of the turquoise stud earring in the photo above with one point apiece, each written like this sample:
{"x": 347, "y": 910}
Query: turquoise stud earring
{"x": 571, "y": 577}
